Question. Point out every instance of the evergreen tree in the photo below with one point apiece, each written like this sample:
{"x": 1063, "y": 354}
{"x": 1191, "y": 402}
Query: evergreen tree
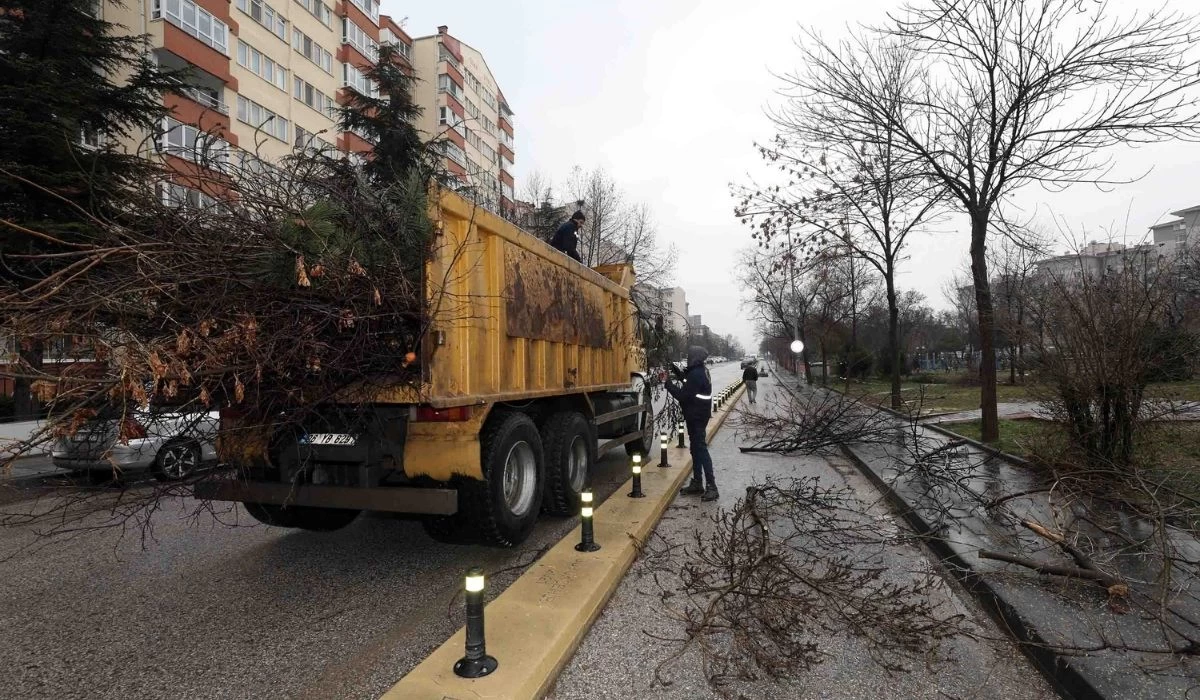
{"x": 67, "y": 77}
{"x": 389, "y": 120}
{"x": 71, "y": 88}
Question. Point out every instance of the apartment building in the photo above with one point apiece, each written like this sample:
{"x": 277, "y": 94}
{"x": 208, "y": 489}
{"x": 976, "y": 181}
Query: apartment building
{"x": 464, "y": 106}
{"x": 670, "y": 303}
{"x": 267, "y": 77}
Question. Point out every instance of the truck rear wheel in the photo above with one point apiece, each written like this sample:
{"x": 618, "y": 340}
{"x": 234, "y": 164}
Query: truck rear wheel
{"x": 302, "y": 517}
{"x": 569, "y": 446}
{"x": 504, "y": 507}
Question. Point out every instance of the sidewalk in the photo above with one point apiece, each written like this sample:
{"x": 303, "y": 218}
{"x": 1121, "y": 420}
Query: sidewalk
{"x": 620, "y": 654}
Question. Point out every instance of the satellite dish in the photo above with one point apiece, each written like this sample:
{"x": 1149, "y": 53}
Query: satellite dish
{"x": 797, "y": 346}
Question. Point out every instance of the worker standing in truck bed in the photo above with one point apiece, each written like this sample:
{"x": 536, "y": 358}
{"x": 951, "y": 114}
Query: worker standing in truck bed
{"x": 566, "y": 238}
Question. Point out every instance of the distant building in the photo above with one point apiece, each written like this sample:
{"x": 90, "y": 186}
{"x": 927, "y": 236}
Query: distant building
{"x": 1097, "y": 259}
{"x": 462, "y": 103}
{"x": 1173, "y": 236}
{"x": 670, "y": 303}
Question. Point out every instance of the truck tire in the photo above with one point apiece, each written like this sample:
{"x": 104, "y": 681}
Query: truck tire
{"x": 647, "y": 441}
{"x": 503, "y": 508}
{"x": 569, "y": 448}
{"x": 301, "y": 517}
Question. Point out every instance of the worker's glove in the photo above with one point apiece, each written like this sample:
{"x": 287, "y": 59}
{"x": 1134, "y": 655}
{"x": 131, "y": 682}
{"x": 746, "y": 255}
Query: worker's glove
{"x": 677, "y": 372}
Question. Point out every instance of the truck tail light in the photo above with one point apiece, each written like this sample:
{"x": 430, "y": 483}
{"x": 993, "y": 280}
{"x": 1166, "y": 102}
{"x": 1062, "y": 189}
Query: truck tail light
{"x": 429, "y": 414}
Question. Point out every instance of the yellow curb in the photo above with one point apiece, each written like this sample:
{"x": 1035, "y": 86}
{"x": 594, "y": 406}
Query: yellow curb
{"x": 535, "y": 626}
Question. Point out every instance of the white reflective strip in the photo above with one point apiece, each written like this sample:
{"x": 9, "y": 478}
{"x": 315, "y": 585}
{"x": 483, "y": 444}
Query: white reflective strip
{"x": 702, "y": 396}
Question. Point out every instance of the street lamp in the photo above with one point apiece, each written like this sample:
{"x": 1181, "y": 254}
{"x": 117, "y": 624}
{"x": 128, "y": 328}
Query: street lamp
{"x": 797, "y": 346}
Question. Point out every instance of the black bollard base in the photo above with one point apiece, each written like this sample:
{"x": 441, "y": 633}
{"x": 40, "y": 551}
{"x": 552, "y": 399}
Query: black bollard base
{"x": 587, "y": 547}
{"x": 475, "y": 668}
{"x": 636, "y": 493}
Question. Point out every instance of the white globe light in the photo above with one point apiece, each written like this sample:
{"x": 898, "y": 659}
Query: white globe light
{"x": 797, "y": 347}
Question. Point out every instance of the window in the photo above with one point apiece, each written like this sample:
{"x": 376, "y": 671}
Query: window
{"x": 488, "y": 126}
{"x": 176, "y": 195}
{"x": 307, "y": 140}
{"x": 262, "y": 13}
{"x": 445, "y": 55}
{"x": 309, "y": 95}
{"x": 91, "y": 139}
{"x": 369, "y": 7}
{"x": 447, "y": 117}
{"x": 404, "y": 50}
{"x": 447, "y": 84}
{"x": 318, "y": 9}
{"x": 194, "y": 20}
{"x": 364, "y": 135}
{"x": 454, "y": 153}
{"x": 254, "y": 61}
{"x": 488, "y": 152}
{"x": 474, "y": 139}
{"x": 311, "y": 50}
{"x": 186, "y": 141}
{"x": 355, "y": 36}
{"x": 357, "y": 80}
{"x": 506, "y": 190}
{"x": 471, "y": 108}
{"x": 260, "y": 117}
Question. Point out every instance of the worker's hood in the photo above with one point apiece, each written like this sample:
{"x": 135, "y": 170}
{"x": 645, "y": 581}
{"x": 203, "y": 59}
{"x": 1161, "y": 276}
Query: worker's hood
{"x": 696, "y": 355}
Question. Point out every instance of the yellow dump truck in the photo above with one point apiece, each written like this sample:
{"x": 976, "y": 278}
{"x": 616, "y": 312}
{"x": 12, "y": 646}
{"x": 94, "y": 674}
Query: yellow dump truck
{"x": 529, "y": 371}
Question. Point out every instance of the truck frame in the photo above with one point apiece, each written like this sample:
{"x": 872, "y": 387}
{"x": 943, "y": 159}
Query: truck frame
{"x": 529, "y": 372}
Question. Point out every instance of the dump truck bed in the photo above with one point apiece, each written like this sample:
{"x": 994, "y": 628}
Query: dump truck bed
{"x": 512, "y": 319}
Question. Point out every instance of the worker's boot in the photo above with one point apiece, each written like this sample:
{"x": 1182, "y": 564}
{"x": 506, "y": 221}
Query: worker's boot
{"x": 694, "y": 488}
{"x": 710, "y": 493}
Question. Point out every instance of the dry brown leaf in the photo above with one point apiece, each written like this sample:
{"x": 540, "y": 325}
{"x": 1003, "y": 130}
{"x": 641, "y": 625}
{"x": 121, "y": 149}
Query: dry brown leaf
{"x": 301, "y": 273}
{"x": 378, "y": 298}
{"x": 239, "y": 390}
{"x": 356, "y": 269}
{"x": 183, "y": 342}
{"x": 316, "y": 271}
{"x": 204, "y": 397}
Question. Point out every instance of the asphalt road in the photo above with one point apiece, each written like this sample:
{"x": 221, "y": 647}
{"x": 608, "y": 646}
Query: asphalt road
{"x": 634, "y": 635}
{"x": 210, "y": 604}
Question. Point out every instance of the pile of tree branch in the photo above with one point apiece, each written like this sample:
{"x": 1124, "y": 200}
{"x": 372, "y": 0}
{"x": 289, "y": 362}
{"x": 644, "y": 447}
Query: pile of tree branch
{"x": 790, "y": 564}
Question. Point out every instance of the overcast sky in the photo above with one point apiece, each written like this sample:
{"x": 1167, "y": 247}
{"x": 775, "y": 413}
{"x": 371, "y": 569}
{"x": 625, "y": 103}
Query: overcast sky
{"x": 669, "y": 97}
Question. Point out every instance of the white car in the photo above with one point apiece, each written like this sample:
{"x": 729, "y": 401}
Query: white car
{"x": 172, "y": 445}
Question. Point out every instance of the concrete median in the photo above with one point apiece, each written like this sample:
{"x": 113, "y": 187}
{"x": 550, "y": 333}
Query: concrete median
{"x": 535, "y": 626}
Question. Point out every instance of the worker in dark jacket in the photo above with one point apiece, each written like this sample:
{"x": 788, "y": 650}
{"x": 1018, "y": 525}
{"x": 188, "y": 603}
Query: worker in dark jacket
{"x": 694, "y": 395}
{"x": 566, "y": 238}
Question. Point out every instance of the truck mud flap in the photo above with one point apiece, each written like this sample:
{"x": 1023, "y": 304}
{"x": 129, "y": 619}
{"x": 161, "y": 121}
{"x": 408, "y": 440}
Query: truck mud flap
{"x": 391, "y": 499}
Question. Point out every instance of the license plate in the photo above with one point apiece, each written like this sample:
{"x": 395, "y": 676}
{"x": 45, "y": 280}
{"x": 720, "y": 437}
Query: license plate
{"x": 329, "y": 439}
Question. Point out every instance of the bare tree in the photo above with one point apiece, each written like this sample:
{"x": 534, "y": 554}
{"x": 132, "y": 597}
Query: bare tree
{"x": 1007, "y": 93}
{"x": 849, "y": 185}
{"x": 780, "y": 302}
{"x": 1015, "y": 265}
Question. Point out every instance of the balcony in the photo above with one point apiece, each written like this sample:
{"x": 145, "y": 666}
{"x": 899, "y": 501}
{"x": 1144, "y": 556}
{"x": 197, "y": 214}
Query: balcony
{"x": 206, "y": 98}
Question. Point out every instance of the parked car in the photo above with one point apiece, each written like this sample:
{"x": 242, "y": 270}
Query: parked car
{"x": 173, "y": 445}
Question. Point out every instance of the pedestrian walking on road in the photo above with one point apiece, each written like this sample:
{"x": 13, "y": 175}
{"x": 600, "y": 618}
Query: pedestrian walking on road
{"x": 750, "y": 379}
{"x": 694, "y": 395}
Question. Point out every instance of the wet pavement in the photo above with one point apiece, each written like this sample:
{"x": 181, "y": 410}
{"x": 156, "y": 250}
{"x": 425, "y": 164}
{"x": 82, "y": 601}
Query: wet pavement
{"x": 619, "y": 656}
{"x": 217, "y": 606}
